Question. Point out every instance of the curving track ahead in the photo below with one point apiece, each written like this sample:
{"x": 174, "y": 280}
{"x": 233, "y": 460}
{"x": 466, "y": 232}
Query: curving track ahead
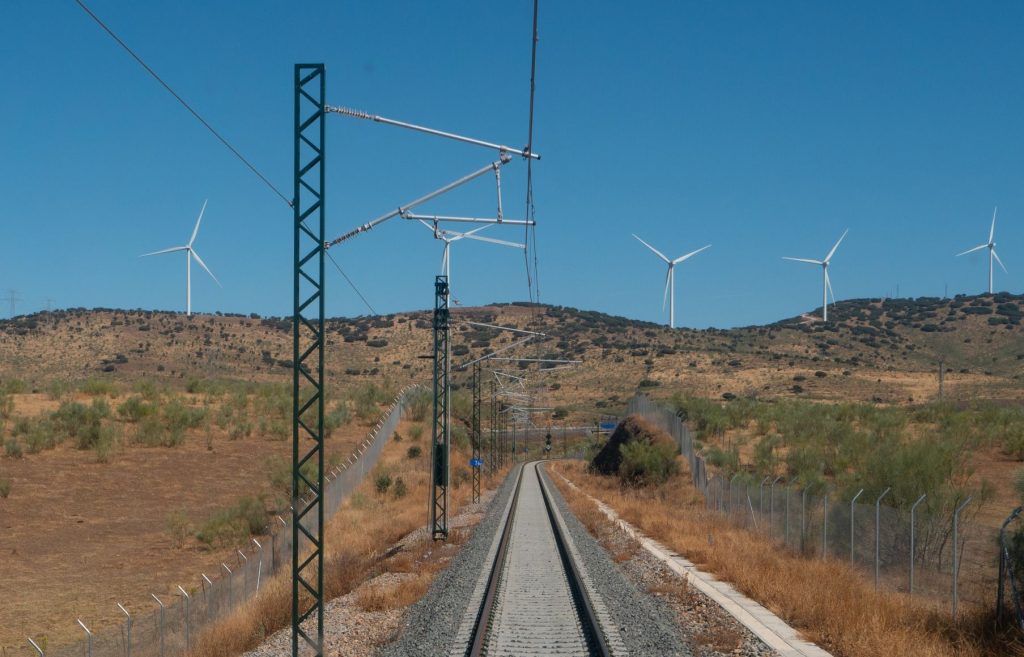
{"x": 536, "y": 600}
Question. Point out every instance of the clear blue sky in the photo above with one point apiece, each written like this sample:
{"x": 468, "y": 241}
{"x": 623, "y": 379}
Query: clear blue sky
{"x": 763, "y": 128}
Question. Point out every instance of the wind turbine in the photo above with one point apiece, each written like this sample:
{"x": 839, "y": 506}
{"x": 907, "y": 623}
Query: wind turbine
{"x": 190, "y": 253}
{"x": 450, "y": 236}
{"x": 670, "y": 279}
{"x": 826, "y": 285}
{"x": 991, "y": 245}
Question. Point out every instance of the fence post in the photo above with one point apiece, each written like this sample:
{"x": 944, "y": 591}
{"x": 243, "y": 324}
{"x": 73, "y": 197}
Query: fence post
{"x": 803, "y": 520}
{"x": 129, "y": 627}
{"x": 913, "y": 517}
{"x": 245, "y": 574}
{"x": 760, "y": 501}
{"x": 878, "y": 532}
{"x": 186, "y": 600}
{"x": 230, "y": 588}
{"x": 956, "y": 564}
{"x": 771, "y": 505}
{"x": 824, "y": 527}
{"x": 159, "y": 602}
{"x": 732, "y": 495}
{"x": 88, "y": 633}
{"x": 36, "y": 646}
{"x": 206, "y": 594}
{"x": 785, "y": 539}
{"x": 259, "y": 567}
{"x": 852, "y": 502}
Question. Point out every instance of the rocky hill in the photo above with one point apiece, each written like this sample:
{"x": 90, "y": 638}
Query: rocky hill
{"x": 885, "y": 350}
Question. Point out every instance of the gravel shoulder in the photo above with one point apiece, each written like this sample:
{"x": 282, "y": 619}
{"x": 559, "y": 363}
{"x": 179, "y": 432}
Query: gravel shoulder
{"x": 699, "y": 622}
{"x": 430, "y": 625}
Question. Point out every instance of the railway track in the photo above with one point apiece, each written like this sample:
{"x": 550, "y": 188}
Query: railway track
{"x": 536, "y": 599}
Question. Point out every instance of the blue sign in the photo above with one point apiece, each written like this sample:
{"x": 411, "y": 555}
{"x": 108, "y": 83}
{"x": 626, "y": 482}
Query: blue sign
{"x": 475, "y": 463}
{"x": 608, "y": 426}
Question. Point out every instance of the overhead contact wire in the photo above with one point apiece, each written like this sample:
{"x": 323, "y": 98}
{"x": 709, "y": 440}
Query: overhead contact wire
{"x": 184, "y": 104}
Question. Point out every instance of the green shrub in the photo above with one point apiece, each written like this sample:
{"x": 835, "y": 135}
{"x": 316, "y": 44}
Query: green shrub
{"x": 178, "y": 526}
{"x": 12, "y": 448}
{"x": 397, "y": 437}
{"x": 6, "y": 406}
{"x": 148, "y": 390}
{"x": 5, "y": 487}
{"x": 337, "y": 417}
{"x": 382, "y": 482}
{"x": 726, "y": 460}
{"x": 106, "y": 444}
{"x": 57, "y": 389}
{"x": 99, "y": 387}
{"x": 134, "y": 409}
{"x": 179, "y": 416}
{"x": 413, "y": 452}
{"x": 645, "y": 464}
{"x": 13, "y": 387}
{"x": 461, "y": 476}
{"x": 152, "y": 432}
{"x": 40, "y": 435}
{"x": 400, "y": 489}
{"x": 416, "y": 432}
{"x": 234, "y": 524}
{"x": 419, "y": 403}
{"x": 80, "y": 422}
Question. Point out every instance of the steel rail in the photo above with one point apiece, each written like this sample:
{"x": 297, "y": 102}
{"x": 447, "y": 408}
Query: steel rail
{"x": 584, "y": 607}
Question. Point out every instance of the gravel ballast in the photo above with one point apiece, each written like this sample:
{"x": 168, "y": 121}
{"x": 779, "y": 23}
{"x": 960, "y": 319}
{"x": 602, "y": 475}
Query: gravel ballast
{"x": 645, "y": 624}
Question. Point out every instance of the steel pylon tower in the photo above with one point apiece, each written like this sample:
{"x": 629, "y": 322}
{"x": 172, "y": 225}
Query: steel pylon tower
{"x": 308, "y": 361}
{"x": 440, "y": 437}
{"x": 477, "y": 437}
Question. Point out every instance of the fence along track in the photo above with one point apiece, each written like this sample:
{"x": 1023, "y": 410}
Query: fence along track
{"x": 535, "y": 602}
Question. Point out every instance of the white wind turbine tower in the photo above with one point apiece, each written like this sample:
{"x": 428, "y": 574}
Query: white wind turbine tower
{"x": 826, "y": 285}
{"x": 450, "y": 236}
{"x": 991, "y": 246}
{"x": 189, "y": 254}
{"x": 670, "y": 279}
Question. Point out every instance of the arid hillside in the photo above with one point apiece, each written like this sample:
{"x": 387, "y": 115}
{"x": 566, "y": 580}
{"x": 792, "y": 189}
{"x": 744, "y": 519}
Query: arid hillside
{"x": 878, "y": 350}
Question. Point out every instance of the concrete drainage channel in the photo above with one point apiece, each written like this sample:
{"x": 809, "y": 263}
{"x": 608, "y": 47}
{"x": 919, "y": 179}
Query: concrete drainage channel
{"x": 536, "y": 608}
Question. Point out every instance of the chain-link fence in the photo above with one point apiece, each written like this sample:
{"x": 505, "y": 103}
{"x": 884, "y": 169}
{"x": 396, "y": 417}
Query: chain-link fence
{"x": 937, "y": 551}
{"x": 173, "y": 622}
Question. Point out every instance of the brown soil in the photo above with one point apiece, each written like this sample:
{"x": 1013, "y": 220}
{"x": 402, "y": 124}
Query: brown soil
{"x": 77, "y": 536}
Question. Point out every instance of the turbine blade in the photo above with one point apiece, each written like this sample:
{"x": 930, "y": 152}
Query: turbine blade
{"x": 203, "y": 265}
{"x": 813, "y": 262}
{"x": 832, "y": 252}
{"x": 690, "y": 254}
{"x": 170, "y": 250}
{"x": 196, "y": 229}
{"x": 996, "y": 255}
{"x": 668, "y": 280}
{"x": 977, "y": 248}
{"x": 659, "y": 253}
{"x": 992, "y": 231}
{"x": 828, "y": 284}
{"x": 492, "y": 240}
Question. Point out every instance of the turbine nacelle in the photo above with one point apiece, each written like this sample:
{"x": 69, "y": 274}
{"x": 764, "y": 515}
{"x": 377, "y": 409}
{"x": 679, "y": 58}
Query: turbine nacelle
{"x": 826, "y": 285}
{"x": 991, "y": 246}
{"x": 669, "y": 294}
{"x": 190, "y": 253}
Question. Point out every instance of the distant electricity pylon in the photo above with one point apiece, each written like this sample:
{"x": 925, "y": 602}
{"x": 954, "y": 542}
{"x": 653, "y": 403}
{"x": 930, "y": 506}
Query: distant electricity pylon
{"x": 13, "y": 298}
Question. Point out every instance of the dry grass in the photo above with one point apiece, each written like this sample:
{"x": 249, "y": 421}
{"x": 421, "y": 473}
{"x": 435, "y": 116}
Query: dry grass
{"x": 360, "y": 542}
{"x": 830, "y": 603}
